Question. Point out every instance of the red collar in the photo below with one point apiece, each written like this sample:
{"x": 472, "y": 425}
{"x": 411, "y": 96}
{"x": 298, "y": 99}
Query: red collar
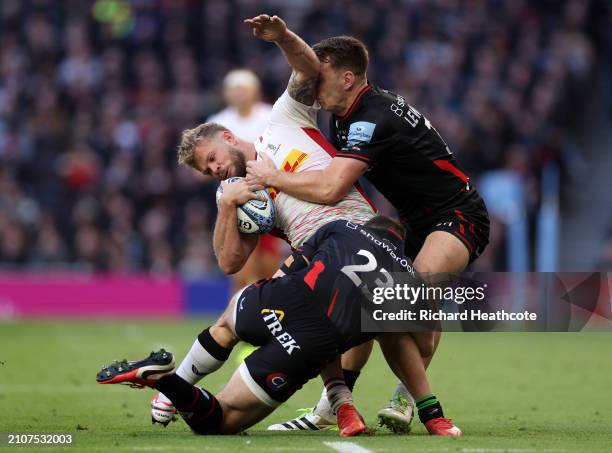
{"x": 363, "y": 91}
{"x": 395, "y": 233}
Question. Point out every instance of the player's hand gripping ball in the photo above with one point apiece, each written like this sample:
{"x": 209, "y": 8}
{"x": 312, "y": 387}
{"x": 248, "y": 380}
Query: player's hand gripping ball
{"x": 254, "y": 216}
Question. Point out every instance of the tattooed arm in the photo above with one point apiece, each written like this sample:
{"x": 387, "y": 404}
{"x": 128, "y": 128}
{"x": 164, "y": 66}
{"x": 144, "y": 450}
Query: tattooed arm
{"x": 301, "y": 88}
{"x": 326, "y": 186}
{"x": 299, "y": 55}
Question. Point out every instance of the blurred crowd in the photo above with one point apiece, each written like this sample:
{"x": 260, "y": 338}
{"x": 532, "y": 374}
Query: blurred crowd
{"x": 93, "y": 95}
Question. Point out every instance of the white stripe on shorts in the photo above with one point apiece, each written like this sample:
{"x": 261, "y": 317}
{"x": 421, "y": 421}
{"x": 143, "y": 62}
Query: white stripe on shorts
{"x": 255, "y": 387}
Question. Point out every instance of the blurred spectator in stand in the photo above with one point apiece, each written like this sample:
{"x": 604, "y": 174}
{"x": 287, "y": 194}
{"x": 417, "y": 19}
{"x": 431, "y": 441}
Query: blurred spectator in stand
{"x": 245, "y": 114}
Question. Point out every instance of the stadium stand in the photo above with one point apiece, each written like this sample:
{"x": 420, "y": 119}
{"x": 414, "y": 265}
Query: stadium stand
{"x": 93, "y": 95}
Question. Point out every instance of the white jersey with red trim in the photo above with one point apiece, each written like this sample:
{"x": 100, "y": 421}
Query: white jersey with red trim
{"x": 294, "y": 143}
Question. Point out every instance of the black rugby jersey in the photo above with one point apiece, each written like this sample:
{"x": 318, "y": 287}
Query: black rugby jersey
{"x": 408, "y": 161}
{"x": 346, "y": 262}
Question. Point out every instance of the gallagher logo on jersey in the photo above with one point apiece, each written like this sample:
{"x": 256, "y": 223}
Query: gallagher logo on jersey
{"x": 360, "y": 132}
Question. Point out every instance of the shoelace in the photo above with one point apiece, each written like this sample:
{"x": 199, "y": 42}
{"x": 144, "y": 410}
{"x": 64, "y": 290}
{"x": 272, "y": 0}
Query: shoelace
{"x": 304, "y": 411}
{"x": 400, "y": 401}
{"x": 310, "y": 410}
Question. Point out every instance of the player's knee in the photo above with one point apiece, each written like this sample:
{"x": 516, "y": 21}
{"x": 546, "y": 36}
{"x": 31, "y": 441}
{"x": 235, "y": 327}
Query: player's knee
{"x": 228, "y": 427}
{"x": 206, "y": 417}
{"x": 233, "y": 420}
{"x": 221, "y": 322}
{"x": 223, "y": 333}
{"x": 425, "y": 265}
{"x": 207, "y": 431}
{"x": 442, "y": 253}
{"x": 223, "y": 330}
{"x": 426, "y": 348}
{"x": 426, "y": 343}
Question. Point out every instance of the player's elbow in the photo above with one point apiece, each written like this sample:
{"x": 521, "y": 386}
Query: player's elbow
{"x": 229, "y": 268}
{"x": 230, "y": 264}
{"x": 333, "y": 193}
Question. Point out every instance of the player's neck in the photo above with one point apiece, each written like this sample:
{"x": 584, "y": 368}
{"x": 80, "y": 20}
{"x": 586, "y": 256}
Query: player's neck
{"x": 245, "y": 111}
{"x": 352, "y": 97}
{"x": 248, "y": 149}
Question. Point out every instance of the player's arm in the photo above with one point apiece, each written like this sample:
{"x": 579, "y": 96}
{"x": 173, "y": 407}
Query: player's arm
{"x": 297, "y": 261}
{"x": 232, "y": 248}
{"x": 294, "y": 262}
{"x": 367, "y": 138}
{"x": 299, "y": 55}
{"x": 327, "y": 186}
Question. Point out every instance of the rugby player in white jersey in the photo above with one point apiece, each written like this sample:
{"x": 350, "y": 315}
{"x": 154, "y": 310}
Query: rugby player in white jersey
{"x": 293, "y": 142}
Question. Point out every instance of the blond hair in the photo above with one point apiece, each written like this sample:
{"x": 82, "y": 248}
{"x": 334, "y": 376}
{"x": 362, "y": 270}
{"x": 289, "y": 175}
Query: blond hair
{"x": 241, "y": 77}
{"x": 191, "y": 138}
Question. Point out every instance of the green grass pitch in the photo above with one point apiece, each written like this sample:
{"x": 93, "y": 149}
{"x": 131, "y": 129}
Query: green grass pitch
{"x": 508, "y": 392}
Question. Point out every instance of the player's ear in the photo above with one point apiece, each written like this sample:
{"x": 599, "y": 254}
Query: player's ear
{"x": 229, "y": 137}
{"x": 349, "y": 80}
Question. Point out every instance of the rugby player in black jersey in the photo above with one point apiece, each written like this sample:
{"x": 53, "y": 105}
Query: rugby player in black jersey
{"x": 301, "y": 321}
{"x": 380, "y": 136}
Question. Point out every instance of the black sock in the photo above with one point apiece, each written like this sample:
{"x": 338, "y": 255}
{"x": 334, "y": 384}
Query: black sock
{"x": 350, "y": 377}
{"x": 429, "y": 408}
{"x": 212, "y": 347}
{"x": 199, "y": 408}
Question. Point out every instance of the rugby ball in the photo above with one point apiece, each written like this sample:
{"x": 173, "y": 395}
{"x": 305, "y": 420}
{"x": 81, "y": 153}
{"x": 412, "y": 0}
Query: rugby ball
{"x": 255, "y": 216}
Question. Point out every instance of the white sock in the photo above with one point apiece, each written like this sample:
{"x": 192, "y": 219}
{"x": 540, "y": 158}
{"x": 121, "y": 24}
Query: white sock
{"x": 322, "y": 407}
{"x": 337, "y": 394}
{"x": 163, "y": 398}
{"x": 198, "y": 364}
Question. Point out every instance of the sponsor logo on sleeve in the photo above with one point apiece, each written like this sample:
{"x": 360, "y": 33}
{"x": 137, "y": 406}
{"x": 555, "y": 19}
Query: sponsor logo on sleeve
{"x": 294, "y": 160}
{"x": 360, "y": 132}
